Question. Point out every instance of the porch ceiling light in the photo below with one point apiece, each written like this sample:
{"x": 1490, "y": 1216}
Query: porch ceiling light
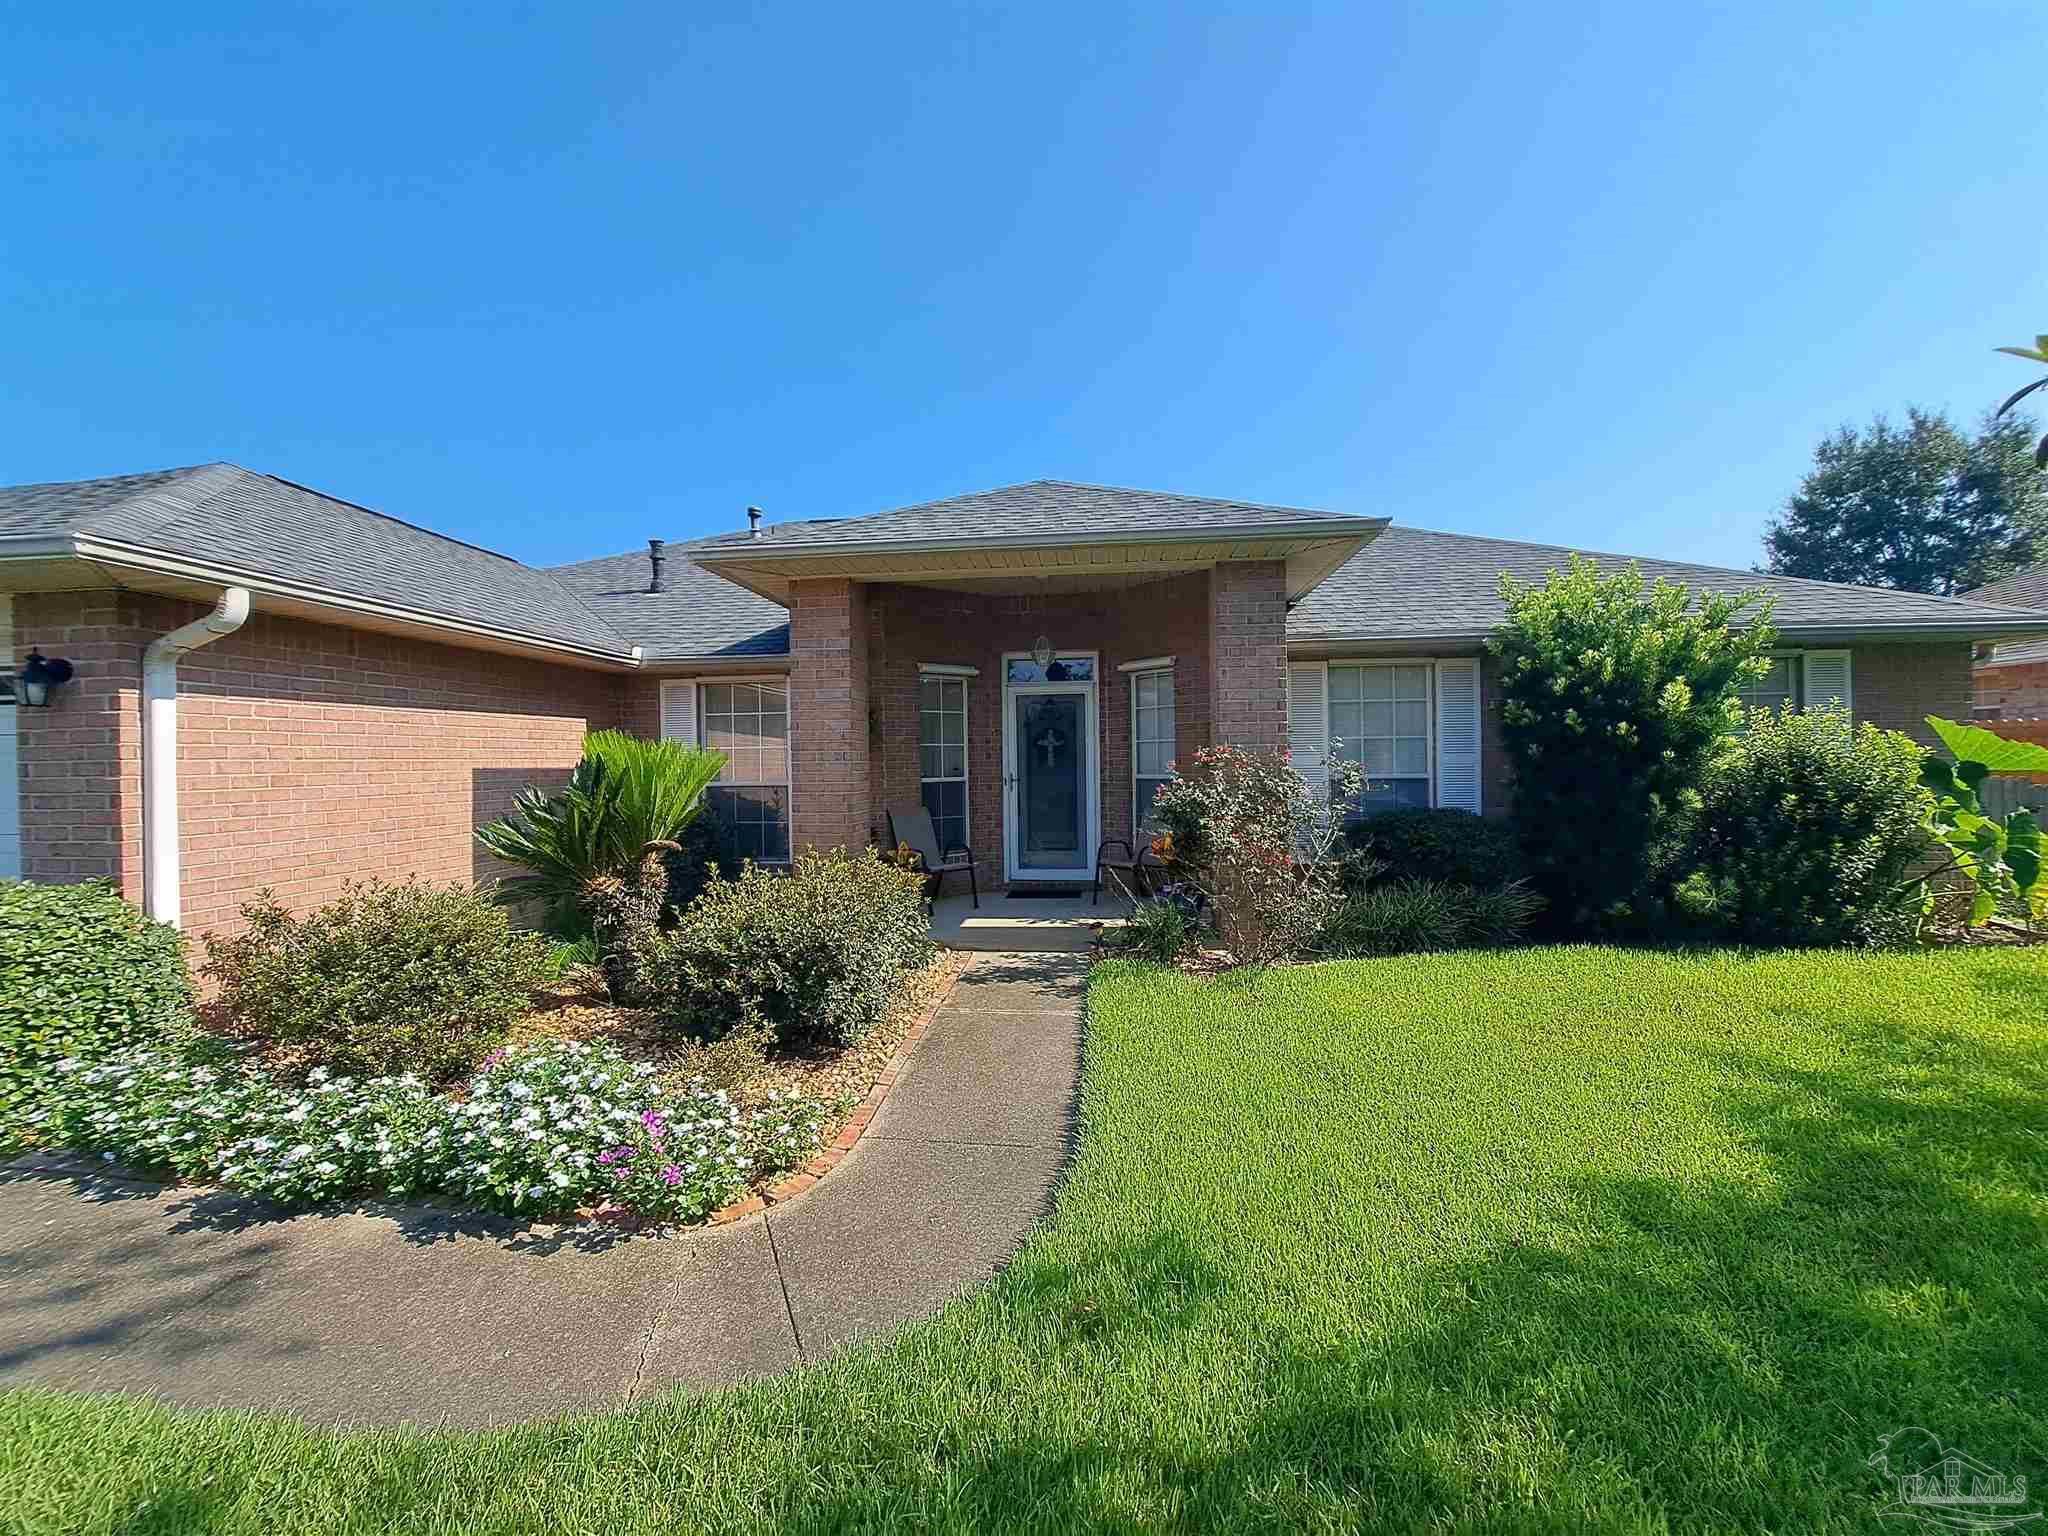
{"x": 1041, "y": 651}
{"x": 40, "y": 677}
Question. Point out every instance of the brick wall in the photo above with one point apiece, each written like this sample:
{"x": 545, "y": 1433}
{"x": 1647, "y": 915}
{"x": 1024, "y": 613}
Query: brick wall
{"x": 828, "y": 714}
{"x": 1898, "y": 686}
{"x": 308, "y": 754}
{"x": 1248, "y": 623}
{"x": 2018, "y": 691}
{"x": 81, "y": 759}
{"x": 910, "y": 625}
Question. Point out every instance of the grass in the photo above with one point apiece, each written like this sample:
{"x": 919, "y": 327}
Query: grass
{"x": 1559, "y": 1239}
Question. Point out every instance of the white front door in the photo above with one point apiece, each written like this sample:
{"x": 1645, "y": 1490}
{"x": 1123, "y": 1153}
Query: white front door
{"x": 1052, "y": 769}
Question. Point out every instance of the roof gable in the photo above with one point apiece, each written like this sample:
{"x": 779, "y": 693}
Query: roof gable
{"x": 2022, "y": 589}
{"x": 1043, "y": 508}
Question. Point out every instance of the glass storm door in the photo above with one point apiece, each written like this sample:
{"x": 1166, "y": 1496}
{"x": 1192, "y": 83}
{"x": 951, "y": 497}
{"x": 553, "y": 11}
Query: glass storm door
{"x": 1051, "y": 746}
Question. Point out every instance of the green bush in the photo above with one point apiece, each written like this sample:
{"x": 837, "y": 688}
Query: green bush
{"x": 1414, "y": 843}
{"x": 389, "y": 978}
{"x": 1807, "y": 835}
{"x": 1409, "y": 915}
{"x": 82, "y": 973}
{"x": 1616, "y": 696}
{"x": 1158, "y": 929}
{"x": 816, "y": 955}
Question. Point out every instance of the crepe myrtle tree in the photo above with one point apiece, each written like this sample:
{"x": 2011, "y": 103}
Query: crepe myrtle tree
{"x": 1257, "y": 838}
{"x": 2002, "y": 858}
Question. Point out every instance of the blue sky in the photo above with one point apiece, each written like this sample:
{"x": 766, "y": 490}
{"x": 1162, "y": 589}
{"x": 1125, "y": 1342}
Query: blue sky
{"x": 555, "y": 281}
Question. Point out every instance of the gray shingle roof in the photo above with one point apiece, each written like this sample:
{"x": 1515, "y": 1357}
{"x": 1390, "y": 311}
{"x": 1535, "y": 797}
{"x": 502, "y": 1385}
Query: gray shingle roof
{"x": 1411, "y": 583}
{"x": 2022, "y": 589}
{"x": 226, "y": 515}
{"x": 699, "y": 615}
{"x": 1047, "y": 508}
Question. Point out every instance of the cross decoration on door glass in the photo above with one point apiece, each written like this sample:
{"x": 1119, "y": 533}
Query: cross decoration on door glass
{"x": 1061, "y": 669}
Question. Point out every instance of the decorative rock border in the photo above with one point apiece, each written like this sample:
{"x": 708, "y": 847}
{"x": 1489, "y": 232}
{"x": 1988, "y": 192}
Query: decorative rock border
{"x": 789, "y": 1186}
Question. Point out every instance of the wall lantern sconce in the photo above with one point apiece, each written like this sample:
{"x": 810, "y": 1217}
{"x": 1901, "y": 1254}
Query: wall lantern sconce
{"x": 40, "y": 677}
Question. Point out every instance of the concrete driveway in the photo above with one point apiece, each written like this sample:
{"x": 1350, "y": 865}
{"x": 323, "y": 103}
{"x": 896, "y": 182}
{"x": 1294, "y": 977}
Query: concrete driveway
{"x": 412, "y": 1315}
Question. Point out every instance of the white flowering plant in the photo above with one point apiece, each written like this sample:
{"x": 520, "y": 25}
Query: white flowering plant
{"x": 539, "y": 1130}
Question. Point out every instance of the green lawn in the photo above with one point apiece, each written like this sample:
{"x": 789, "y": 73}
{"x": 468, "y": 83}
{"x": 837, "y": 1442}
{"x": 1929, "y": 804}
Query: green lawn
{"x": 1555, "y": 1240}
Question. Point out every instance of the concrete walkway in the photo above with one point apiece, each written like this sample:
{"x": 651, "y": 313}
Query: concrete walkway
{"x": 411, "y": 1315}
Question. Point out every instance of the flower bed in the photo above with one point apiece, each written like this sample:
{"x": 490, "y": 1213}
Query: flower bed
{"x": 542, "y": 1129}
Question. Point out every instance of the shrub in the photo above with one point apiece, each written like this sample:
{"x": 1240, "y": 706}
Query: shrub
{"x": 816, "y": 955}
{"x": 388, "y": 978}
{"x": 626, "y": 799}
{"x": 1408, "y": 915}
{"x": 82, "y": 972}
{"x": 1247, "y": 830}
{"x": 543, "y": 1129}
{"x": 1807, "y": 834}
{"x": 1158, "y": 929}
{"x": 625, "y": 919}
{"x": 1414, "y": 843}
{"x": 704, "y": 846}
{"x": 1616, "y": 697}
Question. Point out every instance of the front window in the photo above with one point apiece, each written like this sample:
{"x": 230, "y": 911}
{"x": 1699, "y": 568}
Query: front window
{"x": 1779, "y": 689}
{"x": 1379, "y": 719}
{"x": 749, "y": 723}
{"x": 942, "y": 756}
{"x": 1151, "y": 741}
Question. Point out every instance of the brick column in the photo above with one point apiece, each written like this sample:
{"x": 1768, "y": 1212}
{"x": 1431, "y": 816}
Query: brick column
{"x": 1248, "y": 654}
{"x": 831, "y": 797}
{"x": 81, "y": 759}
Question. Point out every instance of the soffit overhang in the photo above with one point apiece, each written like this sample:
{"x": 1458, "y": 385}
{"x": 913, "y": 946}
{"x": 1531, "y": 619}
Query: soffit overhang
{"x": 1033, "y": 563}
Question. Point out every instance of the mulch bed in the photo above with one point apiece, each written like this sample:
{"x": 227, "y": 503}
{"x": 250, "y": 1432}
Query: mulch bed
{"x": 836, "y": 1077}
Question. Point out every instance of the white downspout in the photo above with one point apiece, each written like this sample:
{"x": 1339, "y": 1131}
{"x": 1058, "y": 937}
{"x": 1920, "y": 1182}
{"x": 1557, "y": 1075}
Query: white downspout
{"x": 160, "y": 746}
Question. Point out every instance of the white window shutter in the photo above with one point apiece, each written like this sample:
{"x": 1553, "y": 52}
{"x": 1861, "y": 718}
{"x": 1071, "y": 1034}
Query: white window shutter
{"x": 1308, "y": 721}
{"x": 1457, "y": 734}
{"x": 679, "y": 712}
{"x": 1828, "y": 678}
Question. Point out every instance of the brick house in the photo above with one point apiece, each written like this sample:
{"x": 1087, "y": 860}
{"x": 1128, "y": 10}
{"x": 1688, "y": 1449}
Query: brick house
{"x": 275, "y": 687}
{"x": 2012, "y": 677}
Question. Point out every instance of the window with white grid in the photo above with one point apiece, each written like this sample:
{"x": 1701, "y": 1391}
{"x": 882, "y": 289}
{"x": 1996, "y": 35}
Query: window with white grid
{"x": 1152, "y": 746}
{"x": 1379, "y": 719}
{"x": 942, "y": 756}
{"x": 749, "y": 723}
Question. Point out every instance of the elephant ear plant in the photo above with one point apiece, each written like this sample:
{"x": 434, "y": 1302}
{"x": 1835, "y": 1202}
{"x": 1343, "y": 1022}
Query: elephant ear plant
{"x": 591, "y": 850}
{"x": 2003, "y": 859}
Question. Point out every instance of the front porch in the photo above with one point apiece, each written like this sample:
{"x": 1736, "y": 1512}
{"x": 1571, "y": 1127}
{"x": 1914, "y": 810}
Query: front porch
{"x": 1037, "y": 925}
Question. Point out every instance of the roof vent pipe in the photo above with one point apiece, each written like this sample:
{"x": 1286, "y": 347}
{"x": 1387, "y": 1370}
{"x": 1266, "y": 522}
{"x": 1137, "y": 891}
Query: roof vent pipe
{"x": 657, "y": 579}
{"x": 160, "y": 746}
{"x": 753, "y": 522}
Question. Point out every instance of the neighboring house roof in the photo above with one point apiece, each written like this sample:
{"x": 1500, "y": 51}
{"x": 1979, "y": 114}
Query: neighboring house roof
{"x": 2023, "y": 589}
{"x": 1047, "y": 509}
{"x": 233, "y": 518}
{"x": 1414, "y": 584}
{"x": 700, "y": 615}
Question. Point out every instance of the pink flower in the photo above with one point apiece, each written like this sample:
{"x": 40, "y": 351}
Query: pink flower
{"x": 653, "y": 1121}
{"x": 671, "y": 1174}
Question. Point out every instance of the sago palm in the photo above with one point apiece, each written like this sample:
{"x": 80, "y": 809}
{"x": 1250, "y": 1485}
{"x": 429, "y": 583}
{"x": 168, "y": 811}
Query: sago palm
{"x": 625, "y": 799}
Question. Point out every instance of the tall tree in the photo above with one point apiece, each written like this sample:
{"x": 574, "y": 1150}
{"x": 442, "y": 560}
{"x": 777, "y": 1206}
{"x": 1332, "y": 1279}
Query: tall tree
{"x": 1923, "y": 508}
